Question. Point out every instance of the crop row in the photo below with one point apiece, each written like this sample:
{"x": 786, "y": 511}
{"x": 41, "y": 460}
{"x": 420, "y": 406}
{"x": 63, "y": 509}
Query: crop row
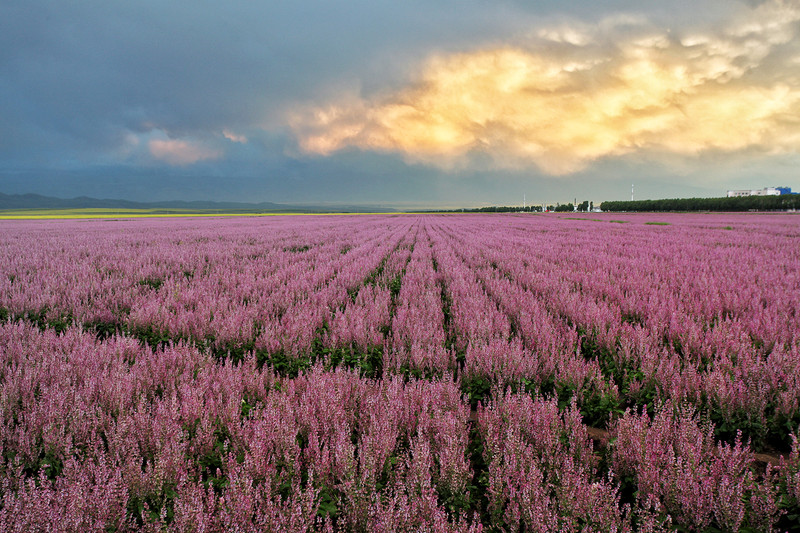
{"x": 113, "y": 435}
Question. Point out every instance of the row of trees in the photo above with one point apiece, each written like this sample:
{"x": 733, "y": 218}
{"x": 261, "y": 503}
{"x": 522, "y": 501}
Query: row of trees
{"x": 739, "y": 203}
{"x": 504, "y": 209}
{"x": 584, "y": 206}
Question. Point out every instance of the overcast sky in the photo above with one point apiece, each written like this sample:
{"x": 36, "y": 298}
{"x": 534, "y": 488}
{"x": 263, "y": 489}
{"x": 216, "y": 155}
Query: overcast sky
{"x": 412, "y": 103}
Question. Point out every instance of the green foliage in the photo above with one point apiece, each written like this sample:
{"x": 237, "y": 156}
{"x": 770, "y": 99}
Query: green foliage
{"x": 369, "y": 363}
{"x": 60, "y": 323}
{"x": 50, "y": 461}
{"x": 103, "y": 330}
{"x": 352, "y": 292}
{"x": 328, "y": 504}
{"x": 740, "y": 203}
{"x": 564, "y": 392}
{"x": 153, "y": 337}
{"x": 43, "y": 319}
{"x": 394, "y": 286}
{"x": 780, "y": 427}
{"x": 282, "y": 363}
{"x": 247, "y": 406}
{"x": 147, "y": 507}
{"x": 771, "y": 432}
{"x": 151, "y": 282}
{"x": 375, "y": 274}
{"x": 231, "y": 351}
{"x": 790, "y": 521}
{"x": 387, "y": 472}
{"x": 478, "y": 497}
{"x": 727, "y": 427}
{"x": 297, "y": 249}
{"x": 476, "y": 388}
{"x": 454, "y": 503}
{"x": 211, "y": 464}
{"x": 598, "y": 409}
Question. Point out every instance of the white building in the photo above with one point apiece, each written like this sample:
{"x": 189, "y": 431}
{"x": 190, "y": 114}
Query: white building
{"x": 766, "y": 191}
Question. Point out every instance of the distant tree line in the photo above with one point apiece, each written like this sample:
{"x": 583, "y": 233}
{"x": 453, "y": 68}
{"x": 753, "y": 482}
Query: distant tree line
{"x": 506, "y": 209}
{"x": 582, "y": 207}
{"x": 493, "y": 209}
{"x": 738, "y": 203}
{"x": 559, "y": 208}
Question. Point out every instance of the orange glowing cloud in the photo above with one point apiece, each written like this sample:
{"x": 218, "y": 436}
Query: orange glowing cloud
{"x": 179, "y": 152}
{"x": 565, "y": 101}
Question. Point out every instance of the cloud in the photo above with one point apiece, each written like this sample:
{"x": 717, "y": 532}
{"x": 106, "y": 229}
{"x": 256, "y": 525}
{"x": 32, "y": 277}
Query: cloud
{"x": 574, "y": 95}
{"x": 179, "y": 152}
{"x": 234, "y": 137}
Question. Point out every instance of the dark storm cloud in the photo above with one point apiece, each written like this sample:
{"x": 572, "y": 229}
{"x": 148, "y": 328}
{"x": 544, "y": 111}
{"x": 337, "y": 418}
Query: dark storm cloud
{"x": 79, "y": 78}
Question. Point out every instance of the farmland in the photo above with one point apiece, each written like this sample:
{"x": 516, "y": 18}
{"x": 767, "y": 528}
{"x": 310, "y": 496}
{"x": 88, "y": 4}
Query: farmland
{"x": 405, "y": 372}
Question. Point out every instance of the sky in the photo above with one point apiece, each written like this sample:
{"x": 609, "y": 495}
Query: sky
{"x": 428, "y": 103}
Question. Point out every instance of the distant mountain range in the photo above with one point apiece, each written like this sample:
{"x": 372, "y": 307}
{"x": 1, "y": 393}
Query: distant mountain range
{"x": 37, "y": 201}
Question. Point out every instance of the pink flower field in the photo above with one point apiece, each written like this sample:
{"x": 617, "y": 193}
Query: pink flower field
{"x": 477, "y": 372}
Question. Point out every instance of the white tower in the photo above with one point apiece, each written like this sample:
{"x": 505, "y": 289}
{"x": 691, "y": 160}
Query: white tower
{"x": 631, "y": 192}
